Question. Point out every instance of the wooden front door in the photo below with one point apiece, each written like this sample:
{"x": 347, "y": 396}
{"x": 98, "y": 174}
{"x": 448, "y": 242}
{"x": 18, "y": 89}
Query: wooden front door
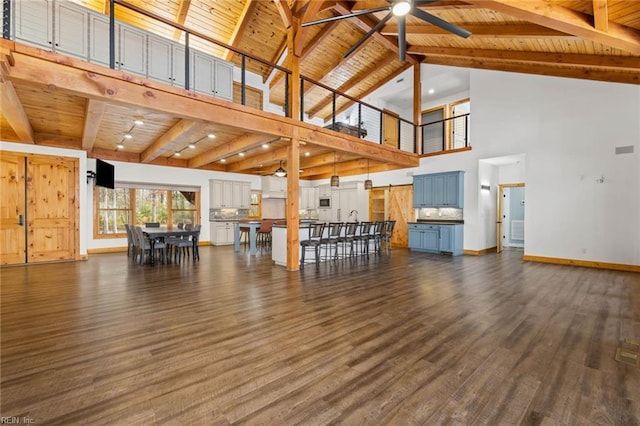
{"x": 390, "y": 129}
{"x": 41, "y": 192}
{"x": 12, "y": 209}
{"x": 401, "y": 210}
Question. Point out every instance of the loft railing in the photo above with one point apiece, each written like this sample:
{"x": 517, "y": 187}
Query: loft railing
{"x": 445, "y": 135}
{"x": 338, "y": 111}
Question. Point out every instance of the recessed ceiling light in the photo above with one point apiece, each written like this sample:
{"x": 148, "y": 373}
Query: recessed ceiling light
{"x": 431, "y": 91}
{"x": 128, "y": 136}
{"x": 224, "y": 160}
{"x": 241, "y": 154}
{"x": 211, "y": 136}
{"x": 265, "y": 145}
{"x": 306, "y": 154}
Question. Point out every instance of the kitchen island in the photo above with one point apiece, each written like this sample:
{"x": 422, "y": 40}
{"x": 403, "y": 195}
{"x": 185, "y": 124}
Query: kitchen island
{"x": 279, "y": 243}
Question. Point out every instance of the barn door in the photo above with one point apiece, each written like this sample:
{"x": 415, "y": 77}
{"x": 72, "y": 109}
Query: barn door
{"x": 51, "y": 208}
{"x": 401, "y": 210}
{"x": 12, "y": 210}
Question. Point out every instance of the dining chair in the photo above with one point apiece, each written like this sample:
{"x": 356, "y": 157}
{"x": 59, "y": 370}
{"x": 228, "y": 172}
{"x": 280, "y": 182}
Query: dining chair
{"x": 144, "y": 246}
{"x": 130, "y": 241}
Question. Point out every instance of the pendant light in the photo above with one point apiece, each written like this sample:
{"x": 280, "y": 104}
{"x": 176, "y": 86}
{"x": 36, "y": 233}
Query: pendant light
{"x": 368, "y": 184}
{"x": 335, "y": 180}
{"x": 280, "y": 172}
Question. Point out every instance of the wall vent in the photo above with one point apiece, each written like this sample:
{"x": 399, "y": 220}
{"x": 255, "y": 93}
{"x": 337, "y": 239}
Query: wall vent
{"x": 624, "y": 149}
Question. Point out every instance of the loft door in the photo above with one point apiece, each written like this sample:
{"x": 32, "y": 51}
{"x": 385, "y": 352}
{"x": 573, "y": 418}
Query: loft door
{"x": 390, "y": 129}
{"x": 12, "y": 210}
{"x": 39, "y": 215}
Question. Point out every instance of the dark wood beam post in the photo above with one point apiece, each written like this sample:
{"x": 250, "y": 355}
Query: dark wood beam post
{"x": 293, "y": 208}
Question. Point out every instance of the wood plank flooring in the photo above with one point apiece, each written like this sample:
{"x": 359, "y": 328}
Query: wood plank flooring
{"x": 409, "y": 338}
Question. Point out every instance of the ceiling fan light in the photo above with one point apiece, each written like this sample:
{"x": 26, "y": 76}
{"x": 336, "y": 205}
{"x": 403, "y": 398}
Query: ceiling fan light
{"x": 401, "y": 7}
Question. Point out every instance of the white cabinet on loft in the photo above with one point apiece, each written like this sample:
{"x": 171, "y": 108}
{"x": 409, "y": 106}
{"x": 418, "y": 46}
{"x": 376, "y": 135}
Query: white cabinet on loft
{"x": 131, "y": 45}
{"x": 33, "y": 23}
{"x": 166, "y": 60}
{"x": 212, "y": 76}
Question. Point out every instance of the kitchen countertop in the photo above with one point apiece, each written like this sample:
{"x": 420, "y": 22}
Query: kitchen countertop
{"x": 438, "y": 222}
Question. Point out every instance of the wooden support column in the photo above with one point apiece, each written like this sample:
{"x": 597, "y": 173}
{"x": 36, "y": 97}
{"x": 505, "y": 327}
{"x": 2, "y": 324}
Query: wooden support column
{"x": 293, "y": 201}
{"x": 294, "y": 66}
{"x": 417, "y": 105}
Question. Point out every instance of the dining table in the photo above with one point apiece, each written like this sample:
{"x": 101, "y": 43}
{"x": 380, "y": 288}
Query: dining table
{"x": 253, "y": 232}
{"x": 161, "y": 233}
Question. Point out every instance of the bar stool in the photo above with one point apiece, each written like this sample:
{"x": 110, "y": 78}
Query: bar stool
{"x": 348, "y": 238}
{"x": 375, "y": 234}
{"x": 361, "y": 239}
{"x": 313, "y": 242}
{"x": 335, "y": 231}
{"x": 388, "y": 233}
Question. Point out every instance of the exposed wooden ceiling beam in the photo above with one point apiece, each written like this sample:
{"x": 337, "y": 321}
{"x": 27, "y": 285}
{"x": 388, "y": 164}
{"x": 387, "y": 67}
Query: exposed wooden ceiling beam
{"x": 58, "y": 141}
{"x": 620, "y": 63}
{"x": 94, "y": 110}
{"x": 324, "y": 159}
{"x": 622, "y": 76}
{"x": 241, "y": 143}
{"x": 352, "y": 82}
{"x": 170, "y": 141}
{"x": 181, "y": 16}
{"x": 481, "y": 30}
{"x": 310, "y": 13}
{"x": 551, "y": 15}
{"x": 285, "y": 12}
{"x": 242, "y": 23}
{"x": 13, "y": 111}
{"x": 601, "y": 15}
{"x": 254, "y": 161}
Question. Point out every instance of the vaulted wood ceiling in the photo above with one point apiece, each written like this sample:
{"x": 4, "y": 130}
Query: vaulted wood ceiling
{"x": 589, "y": 39}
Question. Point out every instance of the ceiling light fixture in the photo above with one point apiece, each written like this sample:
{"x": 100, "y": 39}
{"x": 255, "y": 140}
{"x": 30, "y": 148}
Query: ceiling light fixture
{"x": 265, "y": 145}
{"x": 368, "y": 184}
{"x": 211, "y": 136}
{"x": 306, "y": 154}
{"x": 138, "y": 122}
{"x": 280, "y": 172}
{"x": 335, "y": 179}
{"x": 223, "y": 160}
{"x": 128, "y": 136}
{"x": 241, "y": 154}
{"x": 401, "y": 7}
{"x": 177, "y": 154}
{"x": 192, "y": 145}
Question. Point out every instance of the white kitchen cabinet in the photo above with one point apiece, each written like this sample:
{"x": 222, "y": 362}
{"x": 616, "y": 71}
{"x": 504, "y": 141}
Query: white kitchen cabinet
{"x": 227, "y": 194}
{"x": 222, "y": 233}
{"x": 348, "y": 197}
{"x": 241, "y": 195}
{"x": 324, "y": 191}
{"x": 308, "y": 198}
{"x": 274, "y": 187}
{"x": 166, "y": 60}
{"x": 212, "y": 76}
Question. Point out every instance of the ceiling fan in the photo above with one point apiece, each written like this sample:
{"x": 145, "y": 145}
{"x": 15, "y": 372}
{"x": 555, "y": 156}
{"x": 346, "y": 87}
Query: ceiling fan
{"x": 399, "y": 9}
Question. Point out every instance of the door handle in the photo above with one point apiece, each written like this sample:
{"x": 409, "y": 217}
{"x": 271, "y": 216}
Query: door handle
{"x": 20, "y": 220}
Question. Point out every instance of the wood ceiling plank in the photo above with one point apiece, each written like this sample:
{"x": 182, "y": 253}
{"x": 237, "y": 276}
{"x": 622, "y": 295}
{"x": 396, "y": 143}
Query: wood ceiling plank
{"x": 13, "y": 112}
{"x": 92, "y": 120}
{"x": 480, "y": 30}
{"x": 243, "y": 20}
{"x": 566, "y": 20}
{"x": 620, "y": 63}
{"x": 183, "y": 129}
{"x": 271, "y": 156}
{"x": 181, "y": 16}
{"x": 601, "y": 15}
{"x": 242, "y": 143}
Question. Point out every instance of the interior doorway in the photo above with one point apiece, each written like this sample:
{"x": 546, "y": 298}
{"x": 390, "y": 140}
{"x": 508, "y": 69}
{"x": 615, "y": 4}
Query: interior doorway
{"x": 510, "y": 216}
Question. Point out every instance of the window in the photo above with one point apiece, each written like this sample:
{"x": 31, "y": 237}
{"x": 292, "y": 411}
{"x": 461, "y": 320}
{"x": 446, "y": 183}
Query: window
{"x": 128, "y": 204}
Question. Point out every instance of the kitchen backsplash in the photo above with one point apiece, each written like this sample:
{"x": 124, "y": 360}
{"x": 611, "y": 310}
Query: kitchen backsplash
{"x": 228, "y": 214}
{"x": 440, "y": 214}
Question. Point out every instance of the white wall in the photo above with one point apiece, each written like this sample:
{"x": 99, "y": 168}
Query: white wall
{"x": 568, "y": 130}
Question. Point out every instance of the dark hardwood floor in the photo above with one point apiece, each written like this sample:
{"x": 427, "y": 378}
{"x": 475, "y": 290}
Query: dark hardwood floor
{"x": 402, "y": 339}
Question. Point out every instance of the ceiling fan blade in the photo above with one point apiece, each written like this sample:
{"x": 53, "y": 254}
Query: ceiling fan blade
{"x": 367, "y": 35}
{"x": 447, "y": 26}
{"x": 402, "y": 38}
{"x": 351, "y": 15}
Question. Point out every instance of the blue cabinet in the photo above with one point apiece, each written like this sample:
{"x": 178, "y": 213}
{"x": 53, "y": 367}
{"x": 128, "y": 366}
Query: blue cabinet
{"x": 436, "y": 238}
{"x": 439, "y": 190}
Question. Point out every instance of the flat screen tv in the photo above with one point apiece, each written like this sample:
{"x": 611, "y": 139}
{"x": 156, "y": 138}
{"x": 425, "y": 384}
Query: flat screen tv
{"x": 105, "y": 174}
